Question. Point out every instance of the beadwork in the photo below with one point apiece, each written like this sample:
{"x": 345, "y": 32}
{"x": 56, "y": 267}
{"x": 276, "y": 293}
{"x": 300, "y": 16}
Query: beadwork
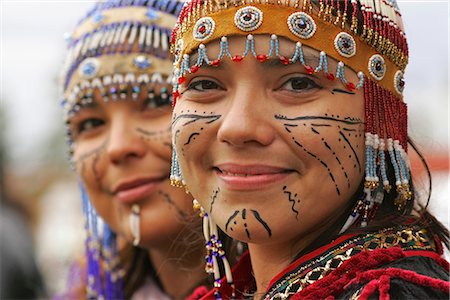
{"x": 399, "y": 82}
{"x": 377, "y": 67}
{"x": 142, "y": 62}
{"x": 302, "y": 25}
{"x": 248, "y": 18}
{"x": 89, "y": 68}
{"x": 345, "y": 44}
{"x": 204, "y": 28}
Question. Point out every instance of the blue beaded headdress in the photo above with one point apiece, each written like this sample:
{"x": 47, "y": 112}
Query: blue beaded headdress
{"x": 118, "y": 50}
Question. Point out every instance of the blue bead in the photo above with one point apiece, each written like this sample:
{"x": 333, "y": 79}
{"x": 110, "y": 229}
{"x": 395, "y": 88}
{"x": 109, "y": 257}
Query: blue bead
{"x": 151, "y": 14}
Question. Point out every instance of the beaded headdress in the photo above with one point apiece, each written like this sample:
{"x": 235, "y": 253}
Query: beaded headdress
{"x": 119, "y": 50}
{"x": 364, "y": 35}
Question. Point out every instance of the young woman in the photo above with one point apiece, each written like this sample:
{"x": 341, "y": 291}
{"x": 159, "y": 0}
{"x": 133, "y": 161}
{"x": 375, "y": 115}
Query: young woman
{"x": 291, "y": 132}
{"x": 141, "y": 241}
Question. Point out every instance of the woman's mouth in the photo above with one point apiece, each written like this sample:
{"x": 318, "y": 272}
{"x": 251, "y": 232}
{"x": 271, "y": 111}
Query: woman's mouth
{"x": 250, "y": 177}
{"x": 132, "y": 190}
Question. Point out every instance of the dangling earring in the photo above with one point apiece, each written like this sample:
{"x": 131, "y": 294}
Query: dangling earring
{"x": 94, "y": 289}
{"x": 176, "y": 178}
{"x": 214, "y": 251}
{"x": 134, "y": 221}
{"x": 96, "y": 251}
{"x": 113, "y": 271}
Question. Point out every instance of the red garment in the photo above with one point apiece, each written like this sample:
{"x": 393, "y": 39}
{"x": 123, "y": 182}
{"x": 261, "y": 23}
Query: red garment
{"x": 393, "y": 262}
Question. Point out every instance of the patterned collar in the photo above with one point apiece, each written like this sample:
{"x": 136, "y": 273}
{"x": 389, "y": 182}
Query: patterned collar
{"x": 319, "y": 263}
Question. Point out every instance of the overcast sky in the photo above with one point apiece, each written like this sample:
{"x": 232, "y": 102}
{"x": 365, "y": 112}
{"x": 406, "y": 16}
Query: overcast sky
{"x": 32, "y": 50}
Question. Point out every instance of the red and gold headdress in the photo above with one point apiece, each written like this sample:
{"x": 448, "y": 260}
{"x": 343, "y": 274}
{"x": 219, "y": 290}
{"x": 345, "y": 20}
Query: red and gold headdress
{"x": 366, "y": 36}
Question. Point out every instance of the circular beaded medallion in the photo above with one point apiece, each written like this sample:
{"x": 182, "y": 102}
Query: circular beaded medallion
{"x": 345, "y": 44}
{"x": 204, "y": 28}
{"x": 89, "y": 68}
{"x": 142, "y": 62}
{"x": 248, "y": 18}
{"x": 399, "y": 82}
{"x": 377, "y": 66}
{"x": 302, "y": 25}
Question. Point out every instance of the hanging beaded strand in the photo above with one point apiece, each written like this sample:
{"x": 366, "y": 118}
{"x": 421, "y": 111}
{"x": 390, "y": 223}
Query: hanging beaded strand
{"x": 214, "y": 251}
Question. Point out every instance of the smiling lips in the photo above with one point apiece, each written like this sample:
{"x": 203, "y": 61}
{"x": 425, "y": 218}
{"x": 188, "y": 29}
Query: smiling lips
{"x": 131, "y": 191}
{"x": 250, "y": 177}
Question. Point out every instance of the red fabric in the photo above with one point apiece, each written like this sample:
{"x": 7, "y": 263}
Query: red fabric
{"x": 338, "y": 279}
{"x": 309, "y": 256}
{"x": 406, "y": 275}
{"x": 198, "y": 293}
{"x": 360, "y": 269}
{"x": 441, "y": 261}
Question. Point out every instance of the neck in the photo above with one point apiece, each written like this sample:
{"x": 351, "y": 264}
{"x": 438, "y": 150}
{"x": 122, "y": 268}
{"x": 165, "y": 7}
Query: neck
{"x": 269, "y": 260}
{"x": 178, "y": 271}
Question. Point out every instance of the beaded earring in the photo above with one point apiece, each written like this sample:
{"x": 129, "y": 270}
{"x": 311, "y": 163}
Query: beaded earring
{"x": 134, "y": 224}
{"x": 176, "y": 177}
{"x": 214, "y": 252}
{"x": 101, "y": 254}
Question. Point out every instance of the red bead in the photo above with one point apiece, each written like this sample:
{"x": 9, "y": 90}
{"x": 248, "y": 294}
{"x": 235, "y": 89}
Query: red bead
{"x": 309, "y": 70}
{"x": 202, "y": 29}
{"x": 194, "y": 68}
{"x": 215, "y": 63}
{"x": 261, "y": 57}
{"x": 330, "y": 76}
{"x": 237, "y": 58}
{"x": 284, "y": 60}
{"x": 181, "y": 79}
{"x": 351, "y": 86}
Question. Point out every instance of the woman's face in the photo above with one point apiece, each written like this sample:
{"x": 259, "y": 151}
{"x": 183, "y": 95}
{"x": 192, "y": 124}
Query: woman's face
{"x": 271, "y": 152}
{"x": 122, "y": 152}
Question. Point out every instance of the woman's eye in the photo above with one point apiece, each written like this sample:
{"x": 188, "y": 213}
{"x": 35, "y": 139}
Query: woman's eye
{"x": 89, "y": 124}
{"x": 300, "y": 84}
{"x": 203, "y": 85}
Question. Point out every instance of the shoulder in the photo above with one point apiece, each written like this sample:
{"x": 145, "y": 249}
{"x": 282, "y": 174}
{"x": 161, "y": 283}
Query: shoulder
{"x": 384, "y": 274}
{"x": 409, "y": 277}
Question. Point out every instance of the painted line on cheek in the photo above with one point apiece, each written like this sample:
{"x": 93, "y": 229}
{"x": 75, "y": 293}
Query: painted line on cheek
{"x": 213, "y": 199}
{"x": 191, "y": 137}
{"x": 293, "y": 201}
{"x": 342, "y": 92}
{"x": 349, "y": 121}
{"x": 353, "y": 150}
{"x": 322, "y": 162}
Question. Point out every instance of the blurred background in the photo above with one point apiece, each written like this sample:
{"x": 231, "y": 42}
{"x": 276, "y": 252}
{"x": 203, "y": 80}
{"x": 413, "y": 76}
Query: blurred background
{"x": 39, "y": 193}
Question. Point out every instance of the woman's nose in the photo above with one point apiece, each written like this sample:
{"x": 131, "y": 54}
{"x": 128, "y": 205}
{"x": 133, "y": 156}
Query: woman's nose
{"x": 124, "y": 141}
{"x": 247, "y": 120}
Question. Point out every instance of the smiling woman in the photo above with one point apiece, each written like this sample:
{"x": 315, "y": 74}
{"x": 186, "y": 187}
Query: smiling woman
{"x": 289, "y": 128}
{"x": 141, "y": 232}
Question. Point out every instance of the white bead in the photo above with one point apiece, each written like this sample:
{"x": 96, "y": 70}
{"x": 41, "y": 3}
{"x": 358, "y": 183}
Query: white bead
{"x": 201, "y": 46}
{"x": 273, "y": 36}
{"x": 249, "y": 37}
{"x": 224, "y": 39}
